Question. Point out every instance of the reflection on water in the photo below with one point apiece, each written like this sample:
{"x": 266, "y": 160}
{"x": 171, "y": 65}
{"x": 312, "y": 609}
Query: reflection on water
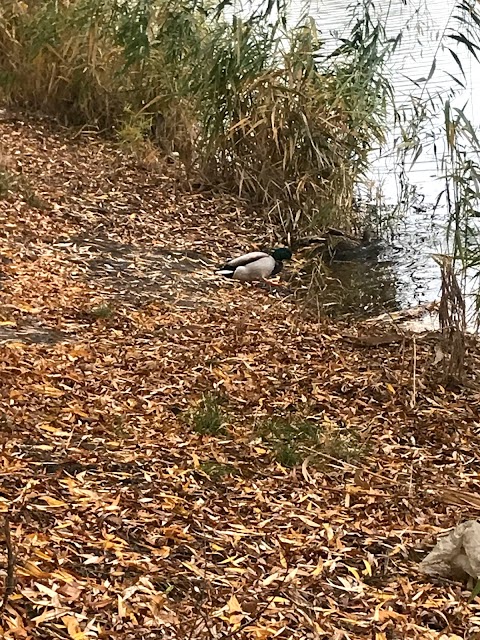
{"x": 405, "y": 274}
{"x": 358, "y": 289}
{"x": 416, "y": 238}
{"x": 402, "y": 275}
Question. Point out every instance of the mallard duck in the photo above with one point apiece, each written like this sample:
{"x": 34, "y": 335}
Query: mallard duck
{"x": 348, "y": 249}
{"x": 335, "y": 245}
{"x": 255, "y": 266}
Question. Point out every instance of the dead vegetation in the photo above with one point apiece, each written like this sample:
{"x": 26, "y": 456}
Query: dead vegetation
{"x": 142, "y": 479}
{"x": 453, "y": 323}
{"x": 251, "y": 106}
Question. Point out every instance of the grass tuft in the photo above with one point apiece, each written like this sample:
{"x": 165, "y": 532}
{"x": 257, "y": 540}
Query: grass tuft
{"x": 217, "y": 470}
{"x": 102, "y": 312}
{"x": 291, "y": 440}
{"x": 207, "y": 417}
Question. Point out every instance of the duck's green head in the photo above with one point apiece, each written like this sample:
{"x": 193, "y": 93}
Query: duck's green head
{"x": 282, "y": 253}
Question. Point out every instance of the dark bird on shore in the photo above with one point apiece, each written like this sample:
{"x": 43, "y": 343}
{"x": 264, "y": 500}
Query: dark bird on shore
{"x": 336, "y": 245}
{"x": 255, "y": 266}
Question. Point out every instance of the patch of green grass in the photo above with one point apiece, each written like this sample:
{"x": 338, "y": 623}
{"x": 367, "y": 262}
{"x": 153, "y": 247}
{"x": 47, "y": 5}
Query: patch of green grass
{"x": 103, "y": 311}
{"x": 286, "y": 437}
{"x": 217, "y": 470}
{"x": 207, "y": 417}
{"x": 134, "y": 130}
{"x": 291, "y": 440}
{"x": 287, "y": 454}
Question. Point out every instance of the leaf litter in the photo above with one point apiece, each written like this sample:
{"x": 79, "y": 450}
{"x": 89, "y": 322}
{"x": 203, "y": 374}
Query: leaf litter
{"x": 126, "y": 521}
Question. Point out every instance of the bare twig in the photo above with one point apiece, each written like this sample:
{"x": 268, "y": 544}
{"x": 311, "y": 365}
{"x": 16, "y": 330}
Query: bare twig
{"x": 260, "y": 612}
{"x": 413, "y": 401}
{"x": 10, "y": 578}
{"x": 199, "y": 611}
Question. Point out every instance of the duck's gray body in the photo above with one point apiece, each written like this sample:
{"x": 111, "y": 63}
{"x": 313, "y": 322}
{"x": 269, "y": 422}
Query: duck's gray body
{"x": 251, "y": 266}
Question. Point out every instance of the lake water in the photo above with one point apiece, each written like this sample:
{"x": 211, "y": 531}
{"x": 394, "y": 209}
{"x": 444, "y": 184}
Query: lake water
{"x": 406, "y": 274}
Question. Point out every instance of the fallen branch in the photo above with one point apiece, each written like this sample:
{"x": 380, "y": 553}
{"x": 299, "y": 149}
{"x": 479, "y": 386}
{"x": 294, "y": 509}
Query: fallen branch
{"x": 404, "y": 314}
{"x": 375, "y": 341}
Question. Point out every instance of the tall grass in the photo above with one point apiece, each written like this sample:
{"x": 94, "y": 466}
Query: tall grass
{"x": 434, "y": 123}
{"x": 104, "y": 63}
{"x": 247, "y": 104}
{"x": 461, "y": 167}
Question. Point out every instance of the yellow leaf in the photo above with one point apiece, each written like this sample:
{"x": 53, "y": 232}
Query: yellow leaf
{"x": 26, "y": 308}
{"x": 41, "y": 554}
{"x": 194, "y": 569}
{"x": 291, "y": 575}
{"x": 122, "y": 609}
{"x": 73, "y": 627}
{"x": 44, "y": 589}
{"x": 196, "y": 461}
{"x": 310, "y": 523}
{"x": 30, "y": 569}
{"x": 268, "y": 580}
{"x": 390, "y": 388}
{"x": 78, "y": 351}
{"x": 14, "y": 345}
{"x": 260, "y": 450}
{"x": 53, "y": 502}
{"x": 329, "y": 532}
{"x": 354, "y": 572}
{"x": 50, "y": 429}
{"x": 368, "y": 568}
{"x": 64, "y": 576}
{"x": 77, "y": 411}
{"x": 234, "y": 605}
{"x": 261, "y": 633}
